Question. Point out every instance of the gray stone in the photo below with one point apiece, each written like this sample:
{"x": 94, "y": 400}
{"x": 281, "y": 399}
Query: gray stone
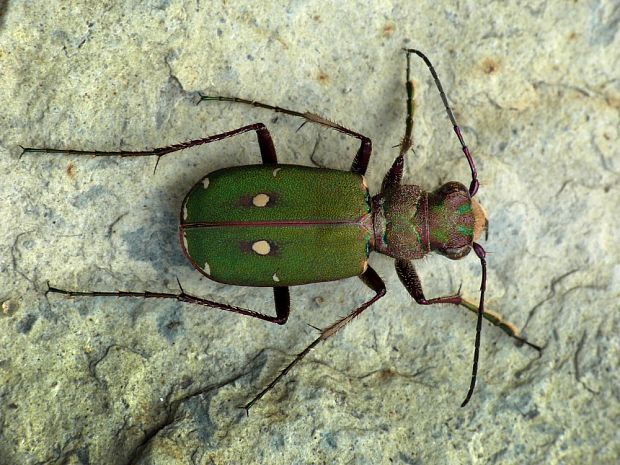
{"x": 535, "y": 86}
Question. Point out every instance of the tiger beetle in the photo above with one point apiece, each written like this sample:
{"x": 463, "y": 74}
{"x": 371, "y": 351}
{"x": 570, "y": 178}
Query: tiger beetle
{"x": 278, "y": 225}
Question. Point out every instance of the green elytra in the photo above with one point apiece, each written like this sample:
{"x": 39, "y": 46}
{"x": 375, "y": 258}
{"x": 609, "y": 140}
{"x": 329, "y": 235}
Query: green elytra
{"x": 245, "y": 226}
{"x": 287, "y": 225}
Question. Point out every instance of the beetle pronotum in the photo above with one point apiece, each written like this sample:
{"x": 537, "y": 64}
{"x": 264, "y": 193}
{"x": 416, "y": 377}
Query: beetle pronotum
{"x": 286, "y": 223}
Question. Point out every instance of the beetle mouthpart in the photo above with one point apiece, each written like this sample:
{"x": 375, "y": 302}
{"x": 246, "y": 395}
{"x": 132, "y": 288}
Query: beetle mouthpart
{"x": 481, "y": 221}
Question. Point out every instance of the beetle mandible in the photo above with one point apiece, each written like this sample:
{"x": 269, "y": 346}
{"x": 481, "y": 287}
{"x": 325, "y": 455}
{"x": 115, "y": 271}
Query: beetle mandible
{"x": 285, "y": 223}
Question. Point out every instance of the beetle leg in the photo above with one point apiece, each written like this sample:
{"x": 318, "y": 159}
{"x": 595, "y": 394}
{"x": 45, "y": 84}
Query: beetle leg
{"x": 374, "y": 282}
{"x": 360, "y": 162}
{"x": 410, "y": 279}
{"x": 395, "y": 174}
{"x": 265, "y": 143}
{"x": 281, "y": 298}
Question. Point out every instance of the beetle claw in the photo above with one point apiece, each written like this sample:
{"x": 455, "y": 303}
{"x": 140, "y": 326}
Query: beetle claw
{"x": 244, "y": 407}
{"x": 157, "y": 163}
{"x": 312, "y": 326}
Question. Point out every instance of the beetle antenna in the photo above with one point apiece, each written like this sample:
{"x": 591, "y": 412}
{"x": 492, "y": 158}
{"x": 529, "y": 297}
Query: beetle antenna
{"x": 473, "y": 187}
{"x": 481, "y": 254}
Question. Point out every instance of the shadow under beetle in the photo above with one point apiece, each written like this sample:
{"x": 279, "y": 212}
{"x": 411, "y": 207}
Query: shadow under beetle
{"x": 290, "y": 225}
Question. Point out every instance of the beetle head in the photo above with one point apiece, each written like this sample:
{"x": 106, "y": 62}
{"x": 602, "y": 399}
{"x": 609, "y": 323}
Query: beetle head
{"x": 454, "y": 219}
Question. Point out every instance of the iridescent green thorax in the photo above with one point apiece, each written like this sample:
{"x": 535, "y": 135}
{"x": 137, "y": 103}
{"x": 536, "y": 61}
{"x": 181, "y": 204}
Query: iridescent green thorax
{"x": 409, "y": 222}
{"x": 398, "y": 222}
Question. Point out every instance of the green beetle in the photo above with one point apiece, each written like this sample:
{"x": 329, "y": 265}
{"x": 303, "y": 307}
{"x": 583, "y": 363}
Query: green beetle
{"x": 279, "y": 225}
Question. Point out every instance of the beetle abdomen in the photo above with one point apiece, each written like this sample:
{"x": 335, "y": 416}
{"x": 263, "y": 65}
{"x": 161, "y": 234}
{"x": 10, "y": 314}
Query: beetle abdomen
{"x": 278, "y": 225}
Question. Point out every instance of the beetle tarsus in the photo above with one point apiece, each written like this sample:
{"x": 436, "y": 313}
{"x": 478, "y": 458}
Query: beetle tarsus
{"x": 497, "y": 320}
{"x": 48, "y": 290}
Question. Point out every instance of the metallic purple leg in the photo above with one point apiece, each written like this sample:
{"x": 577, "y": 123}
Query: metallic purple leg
{"x": 360, "y": 162}
{"x": 374, "y": 282}
{"x": 410, "y": 279}
{"x": 268, "y": 152}
{"x": 280, "y": 294}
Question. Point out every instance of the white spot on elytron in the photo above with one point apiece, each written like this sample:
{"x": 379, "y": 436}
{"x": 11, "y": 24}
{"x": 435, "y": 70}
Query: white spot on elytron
{"x": 207, "y": 268}
{"x": 275, "y": 172}
{"x": 260, "y": 200}
{"x": 364, "y": 182}
{"x": 261, "y": 247}
{"x": 184, "y": 240}
{"x": 205, "y": 182}
{"x": 275, "y": 278}
{"x": 185, "y": 211}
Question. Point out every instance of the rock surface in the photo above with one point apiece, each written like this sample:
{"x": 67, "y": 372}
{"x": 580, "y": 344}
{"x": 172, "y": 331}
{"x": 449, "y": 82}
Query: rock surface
{"x": 535, "y": 86}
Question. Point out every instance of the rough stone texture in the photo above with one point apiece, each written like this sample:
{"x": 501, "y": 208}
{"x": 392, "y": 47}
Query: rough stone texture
{"x": 536, "y": 87}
